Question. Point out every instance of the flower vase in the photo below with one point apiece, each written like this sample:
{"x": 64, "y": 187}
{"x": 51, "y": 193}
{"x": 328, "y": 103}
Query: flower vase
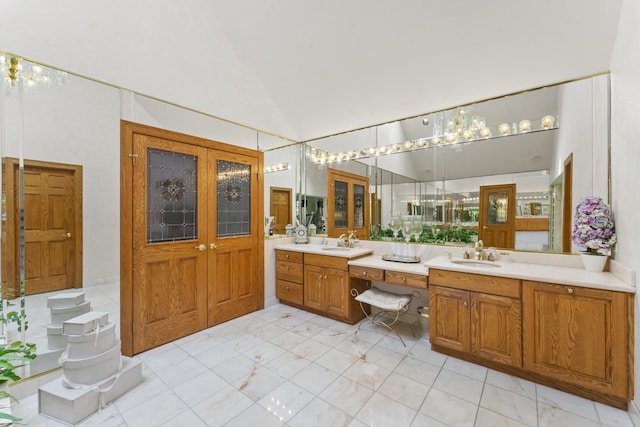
{"x": 593, "y": 262}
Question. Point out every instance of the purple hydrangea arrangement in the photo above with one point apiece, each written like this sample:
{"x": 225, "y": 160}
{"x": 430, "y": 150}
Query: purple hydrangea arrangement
{"x": 593, "y": 228}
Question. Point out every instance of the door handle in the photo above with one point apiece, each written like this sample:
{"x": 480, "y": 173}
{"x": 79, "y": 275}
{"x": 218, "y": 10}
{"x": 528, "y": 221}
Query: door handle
{"x": 68, "y": 235}
{"x": 484, "y": 227}
{"x": 201, "y": 247}
{"x": 214, "y": 246}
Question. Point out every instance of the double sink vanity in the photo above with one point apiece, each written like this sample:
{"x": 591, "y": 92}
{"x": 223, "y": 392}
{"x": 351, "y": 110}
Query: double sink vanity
{"x": 555, "y": 323}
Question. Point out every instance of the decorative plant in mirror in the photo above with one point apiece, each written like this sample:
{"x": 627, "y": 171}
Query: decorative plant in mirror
{"x": 594, "y": 230}
{"x": 12, "y": 357}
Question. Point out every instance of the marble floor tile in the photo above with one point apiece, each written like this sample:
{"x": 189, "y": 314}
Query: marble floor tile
{"x": 459, "y": 385}
{"x": 199, "y": 388}
{"x": 255, "y": 415}
{"x": 284, "y": 366}
{"x": 314, "y": 378}
{"x": 287, "y": 364}
{"x": 155, "y": 411}
{"x": 509, "y": 404}
{"x": 566, "y": 402}
{"x": 514, "y": 384}
{"x": 346, "y": 395}
{"x": 286, "y": 401}
{"x": 320, "y": 413}
{"x": 187, "y": 418}
{"x": 551, "y": 416}
{"x": 310, "y": 349}
{"x": 415, "y": 369}
{"x": 260, "y": 382}
{"x": 486, "y": 418}
{"x": 382, "y": 411}
{"x": 336, "y": 360}
{"x": 449, "y": 409}
{"x": 404, "y": 390}
{"x": 222, "y": 406}
{"x": 367, "y": 374}
{"x": 613, "y": 417}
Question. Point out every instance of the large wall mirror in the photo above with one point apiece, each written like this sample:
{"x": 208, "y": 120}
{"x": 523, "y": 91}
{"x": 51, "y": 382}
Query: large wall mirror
{"x": 415, "y": 166}
{"x": 51, "y": 135}
{"x": 60, "y": 147}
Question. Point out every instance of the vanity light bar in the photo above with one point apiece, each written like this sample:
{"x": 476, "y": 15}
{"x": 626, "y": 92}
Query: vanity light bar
{"x": 547, "y": 122}
{"x": 277, "y": 168}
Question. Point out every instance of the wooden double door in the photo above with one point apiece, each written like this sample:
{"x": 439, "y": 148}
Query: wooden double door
{"x": 196, "y": 242}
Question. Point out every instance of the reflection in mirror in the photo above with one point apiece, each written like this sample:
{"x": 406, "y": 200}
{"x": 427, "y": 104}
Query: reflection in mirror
{"x": 76, "y": 127}
{"x": 506, "y": 140}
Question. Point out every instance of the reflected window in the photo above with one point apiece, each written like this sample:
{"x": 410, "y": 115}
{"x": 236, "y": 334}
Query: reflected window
{"x": 340, "y": 205}
{"x": 358, "y": 206}
{"x": 171, "y": 196}
{"x": 497, "y": 208}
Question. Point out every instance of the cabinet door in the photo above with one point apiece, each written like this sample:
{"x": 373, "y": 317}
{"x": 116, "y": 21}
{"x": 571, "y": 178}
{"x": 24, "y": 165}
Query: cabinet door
{"x": 313, "y": 287}
{"x": 577, "y": 335}
{"x": 337, "y": 292}
{"x": 449, "y": 318}
{"x": 495, "y": 328}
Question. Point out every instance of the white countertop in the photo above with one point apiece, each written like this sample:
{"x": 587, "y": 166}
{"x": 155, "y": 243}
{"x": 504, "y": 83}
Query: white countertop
{"x": 539, "y": 272}
{"x": 325, "y": 250}
{"x": 376, "y": 261}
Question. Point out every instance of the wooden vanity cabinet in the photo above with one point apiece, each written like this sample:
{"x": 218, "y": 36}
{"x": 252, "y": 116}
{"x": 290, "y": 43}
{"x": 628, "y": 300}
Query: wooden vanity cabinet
{"x": 327, "y": 288}
{"x": 476, "y": 314}
{"x": 289, "y": 276}
{"x": 579, "y": 336}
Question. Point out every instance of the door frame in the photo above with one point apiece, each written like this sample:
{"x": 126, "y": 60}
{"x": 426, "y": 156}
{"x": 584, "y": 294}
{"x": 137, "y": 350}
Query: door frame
{"x": 272, "y": 191}
{"x": 127, "y": 159}
{"x": 567, "y": 209}
{"x": 511, "y": 212}
{"x": 11, "y": 230}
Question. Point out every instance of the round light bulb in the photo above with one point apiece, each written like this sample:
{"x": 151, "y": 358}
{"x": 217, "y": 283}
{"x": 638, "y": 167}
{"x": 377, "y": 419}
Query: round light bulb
{"x": 547, "y": 121}
{"x": 504, "y": 128}
{"x": 436, "y": 140}
{"x": 525, "y": 125}
{"x": 451, "y": 137}
{"x": 485, "y": 132}
{"x": 467, "y": 134}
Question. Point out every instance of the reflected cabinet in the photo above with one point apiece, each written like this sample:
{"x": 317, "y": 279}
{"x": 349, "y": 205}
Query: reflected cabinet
{"x": 348, "y": 204}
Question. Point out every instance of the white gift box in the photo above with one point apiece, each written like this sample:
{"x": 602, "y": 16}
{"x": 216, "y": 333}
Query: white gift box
{"x": 66, "y": 299}
{"x": 85, "y": 323}
{"x": 92, "y": 343}
{"x": 61, "y": 314}
{"x": 91, "y": 370}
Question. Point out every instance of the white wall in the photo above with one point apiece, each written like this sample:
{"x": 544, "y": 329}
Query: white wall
{"x": 625, "y": 154}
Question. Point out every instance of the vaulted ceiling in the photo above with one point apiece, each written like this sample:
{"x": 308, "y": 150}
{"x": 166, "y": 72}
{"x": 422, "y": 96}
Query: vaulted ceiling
{"x": 303, "y": 69}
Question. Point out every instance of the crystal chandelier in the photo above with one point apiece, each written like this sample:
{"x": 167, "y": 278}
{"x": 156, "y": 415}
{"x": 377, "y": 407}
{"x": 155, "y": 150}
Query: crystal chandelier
{"x": 17, "y": 70}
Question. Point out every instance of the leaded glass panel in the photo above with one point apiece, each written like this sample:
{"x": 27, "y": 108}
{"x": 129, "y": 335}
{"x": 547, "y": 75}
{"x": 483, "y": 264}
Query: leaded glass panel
{"x": 497, "y": 208}
{"x": 340, "y": 204}
{"x": 171, "y": 196}
{"x": 358, "y": 205}
{"x": 233, "y": 198}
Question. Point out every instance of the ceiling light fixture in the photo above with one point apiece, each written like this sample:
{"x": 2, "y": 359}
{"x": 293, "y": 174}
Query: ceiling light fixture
{"x": 17, "y": 70}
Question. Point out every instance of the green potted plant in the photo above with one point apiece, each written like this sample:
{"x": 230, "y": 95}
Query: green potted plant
{"x": 12, "y": 357}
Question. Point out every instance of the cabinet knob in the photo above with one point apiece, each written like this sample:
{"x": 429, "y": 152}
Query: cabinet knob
{"x": 287, "y": 256}
{"x": 325, "y": 277}
{"x": 465, "y": 303}
{"x": 287, "y": 268}
{"x": 364, "y": 273}
{"x": 404, "y": 279}
{"x": 475, "y": 305}
{"x": 569, "y": 290}
{"x": 287, "y": 288}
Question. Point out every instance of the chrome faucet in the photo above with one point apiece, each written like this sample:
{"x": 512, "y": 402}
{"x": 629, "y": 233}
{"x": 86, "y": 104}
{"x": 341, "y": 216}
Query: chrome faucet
{"x": 479, "y": 249}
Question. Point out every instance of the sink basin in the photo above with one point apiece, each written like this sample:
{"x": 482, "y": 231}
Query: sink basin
{"x": 475, "y": 263}
{"x": 335, "y": 248}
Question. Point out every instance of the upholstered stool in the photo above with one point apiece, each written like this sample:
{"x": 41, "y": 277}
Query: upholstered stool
{"x": 387, "y": 303}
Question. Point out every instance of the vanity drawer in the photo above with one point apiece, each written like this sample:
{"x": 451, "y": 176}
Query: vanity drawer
{"x": 366, "y": 273}
{"x": 289, "y": 271}
{"x": 289, "y": 256}
{"x": 476, "y": 282}
{"x": 291, "y": 292}
{"x": 406, "y": 279}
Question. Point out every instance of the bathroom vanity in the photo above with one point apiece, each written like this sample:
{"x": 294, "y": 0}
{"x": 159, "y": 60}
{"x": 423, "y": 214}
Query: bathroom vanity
{"x": 316, "y": 278}
{"x": 563, "y": 327}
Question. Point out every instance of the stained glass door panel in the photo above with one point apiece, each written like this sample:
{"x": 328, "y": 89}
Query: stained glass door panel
{"x": 496, "y": 221}
{"x": 341, "y": 205}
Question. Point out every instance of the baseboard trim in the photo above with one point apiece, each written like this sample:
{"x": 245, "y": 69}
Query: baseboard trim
{"x": 634, "y": 413}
